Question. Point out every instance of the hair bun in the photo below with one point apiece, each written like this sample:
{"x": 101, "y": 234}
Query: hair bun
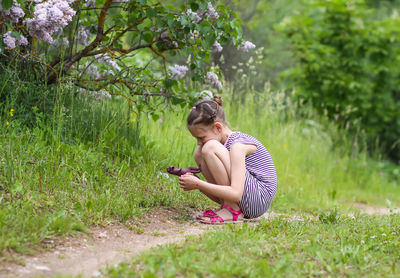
{"x": 218, "y": 100}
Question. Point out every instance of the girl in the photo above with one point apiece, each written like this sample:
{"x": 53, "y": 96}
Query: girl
{"x": 239, "y": 172}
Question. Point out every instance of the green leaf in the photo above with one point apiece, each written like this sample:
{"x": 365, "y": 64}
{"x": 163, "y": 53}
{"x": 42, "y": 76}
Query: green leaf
{"x": 151, "y": 12}
{"x": 6, "y": 4}
{"x": 194, "y": 6}
{"x": 169, "y": 82}
{"x": 148, "y": 36}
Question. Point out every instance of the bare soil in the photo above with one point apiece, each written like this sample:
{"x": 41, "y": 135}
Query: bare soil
{"x": 101, "y": 247}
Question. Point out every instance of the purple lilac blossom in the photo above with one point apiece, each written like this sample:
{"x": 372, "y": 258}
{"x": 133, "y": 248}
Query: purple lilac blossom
{"x": 211, "y": 13}
{"x": 49, "y": 17}
{"x": 108, "y": 61}
{"x": 197, "y": 18}
{"x": 246, "y": 46}
{"x": 205, "y": 94}
{"x": 15, "y": 13}
{"x": 216, "y": 47}
{"x": 212, "y": 79}
{"x": 178, "y": 71}
{"x": 84, "y": 36}
{"x": 11, "y": 42}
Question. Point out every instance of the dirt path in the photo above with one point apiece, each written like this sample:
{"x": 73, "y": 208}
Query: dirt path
{"x": 105, "y": 246}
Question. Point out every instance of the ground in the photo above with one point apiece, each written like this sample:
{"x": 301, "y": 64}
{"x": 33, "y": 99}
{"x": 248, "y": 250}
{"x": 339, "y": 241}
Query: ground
{"x": 86, "y": 254}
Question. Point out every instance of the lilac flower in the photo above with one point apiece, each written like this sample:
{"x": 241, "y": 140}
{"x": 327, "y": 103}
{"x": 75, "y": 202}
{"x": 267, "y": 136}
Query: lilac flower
{"x": 204, "y": 95}
{"x": 108, "y": 61}
{"x": 15, "y": 13}
{"x": 49, "y": 17}
{"x": 178, "y": 71}
{"x": 11, "y": 42}
{"x": 84, "y": 36}
{"x": 196, "y": 16}
{"x": 212, "y": 79}
{"x": 217, "y": 47}
{"x": 246, "y": 46}
{"x": 211, "y": 13}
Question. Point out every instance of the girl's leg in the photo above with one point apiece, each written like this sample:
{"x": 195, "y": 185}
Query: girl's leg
{"x": 206, "y": 173}
{"x": 214, "y": 160}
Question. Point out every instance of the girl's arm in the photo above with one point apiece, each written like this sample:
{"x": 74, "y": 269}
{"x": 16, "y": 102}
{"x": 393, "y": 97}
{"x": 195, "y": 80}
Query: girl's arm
{"x": 232, "y": 192}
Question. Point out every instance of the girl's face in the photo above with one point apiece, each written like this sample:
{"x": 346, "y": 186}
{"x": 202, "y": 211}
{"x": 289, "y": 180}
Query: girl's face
{"x": 205, "y": 133}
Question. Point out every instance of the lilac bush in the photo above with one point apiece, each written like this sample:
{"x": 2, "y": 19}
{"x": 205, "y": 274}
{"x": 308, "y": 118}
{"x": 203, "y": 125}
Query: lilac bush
{"x": 122, "y": 47}
{"x": 49, "y": 17}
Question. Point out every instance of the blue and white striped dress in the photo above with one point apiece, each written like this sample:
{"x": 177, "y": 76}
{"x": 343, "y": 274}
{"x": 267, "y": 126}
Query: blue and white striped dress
{"x": 260, "y": 183}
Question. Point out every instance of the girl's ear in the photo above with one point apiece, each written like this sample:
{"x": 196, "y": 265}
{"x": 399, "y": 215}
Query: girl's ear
{"x": 218, "y": 125}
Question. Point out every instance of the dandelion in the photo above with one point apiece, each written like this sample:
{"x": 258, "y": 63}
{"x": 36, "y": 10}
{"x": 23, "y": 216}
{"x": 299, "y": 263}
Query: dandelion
{"x": 12, "y": 112}
{"x": 7, "y": 123}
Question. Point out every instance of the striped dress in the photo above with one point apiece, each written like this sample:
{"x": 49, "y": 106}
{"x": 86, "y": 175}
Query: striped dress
{"x": 260, "y": 182}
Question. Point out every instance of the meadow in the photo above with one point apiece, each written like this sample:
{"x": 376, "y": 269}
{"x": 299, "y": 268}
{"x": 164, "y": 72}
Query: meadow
{"x": 92, "y": 162}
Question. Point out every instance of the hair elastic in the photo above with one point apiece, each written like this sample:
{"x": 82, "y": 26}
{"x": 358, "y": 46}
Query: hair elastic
{"x": 194, "y": 108}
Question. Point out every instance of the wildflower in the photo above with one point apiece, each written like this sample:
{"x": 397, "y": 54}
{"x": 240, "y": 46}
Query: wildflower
{"x": 212, "y": 79}
{"x": 383, "y": 234}
{"x": 160, "y": 121}
{"x": 7, "y": 123}
{"x": 362, "y": 241}
{"x": 178, "y": 71}
{"x": 372, "y": 237}
{"x": 246, "y": 46}
{"x": 12, "y": 112}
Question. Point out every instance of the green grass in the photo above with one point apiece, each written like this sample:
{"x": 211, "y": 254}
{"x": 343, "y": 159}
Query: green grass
{"x": 342, "y": 247}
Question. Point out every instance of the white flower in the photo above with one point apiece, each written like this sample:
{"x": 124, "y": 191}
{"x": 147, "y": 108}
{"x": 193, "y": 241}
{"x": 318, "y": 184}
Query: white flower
{"x": 246, "y": 46}
{"x": 373, "y": 237}
{"x": 383, "y": 234}
{"x": 178, "y": 71}
{"x": 212, "y": 79}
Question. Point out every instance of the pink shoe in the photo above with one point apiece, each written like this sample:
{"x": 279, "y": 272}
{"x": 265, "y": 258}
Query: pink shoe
{"x": 217, "y": 220}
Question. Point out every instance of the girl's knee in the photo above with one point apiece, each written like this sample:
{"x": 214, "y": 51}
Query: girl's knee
{"x": 210, "y": 147}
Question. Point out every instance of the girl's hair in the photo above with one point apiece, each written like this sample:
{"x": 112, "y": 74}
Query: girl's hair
{"x": 207, "y": 112}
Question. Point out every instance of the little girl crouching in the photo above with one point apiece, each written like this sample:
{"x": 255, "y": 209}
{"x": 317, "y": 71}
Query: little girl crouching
{"x": 239, "y": 172}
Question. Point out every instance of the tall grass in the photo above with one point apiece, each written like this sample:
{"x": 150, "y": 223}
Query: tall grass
{"x": 314, "y": 172}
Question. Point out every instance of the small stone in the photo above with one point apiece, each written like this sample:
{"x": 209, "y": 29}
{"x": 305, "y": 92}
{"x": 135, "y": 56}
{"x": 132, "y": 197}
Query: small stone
{"x": 42, "y": 267}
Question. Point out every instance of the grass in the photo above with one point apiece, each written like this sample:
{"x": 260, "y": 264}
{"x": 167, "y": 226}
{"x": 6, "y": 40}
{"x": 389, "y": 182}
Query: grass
{"x": 345, "y": 247}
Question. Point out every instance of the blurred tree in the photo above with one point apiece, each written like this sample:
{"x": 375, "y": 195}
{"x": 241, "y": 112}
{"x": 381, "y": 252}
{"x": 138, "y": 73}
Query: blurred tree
{"x": 348, "y": 67}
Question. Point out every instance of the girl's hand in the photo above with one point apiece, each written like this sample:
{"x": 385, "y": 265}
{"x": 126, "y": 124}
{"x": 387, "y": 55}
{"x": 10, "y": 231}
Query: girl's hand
{"x": 189, "y": 182}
